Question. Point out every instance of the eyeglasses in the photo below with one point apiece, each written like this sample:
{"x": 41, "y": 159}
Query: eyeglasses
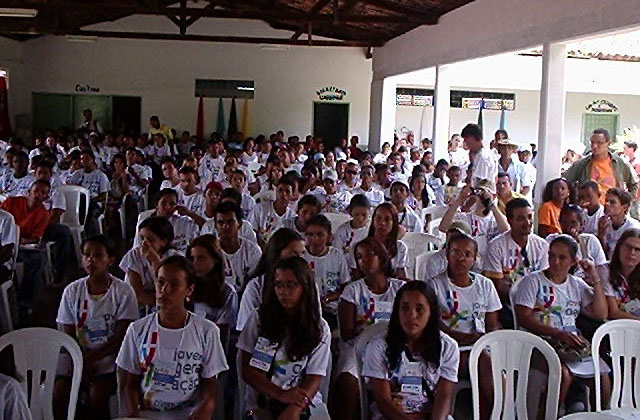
{"x": 352, "y": 172}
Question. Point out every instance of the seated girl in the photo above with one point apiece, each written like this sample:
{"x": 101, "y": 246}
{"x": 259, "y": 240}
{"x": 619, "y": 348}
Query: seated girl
{"x": 169, "y": 359}
{"x": 213, "y": 298}
{"x": 350, "y": 233}
{"x": 557, "y": 193}
{"x": 95, "y": 310}
{"x": 285, "y": 346}
{"x": 413, "y": 348}
{"x": 362, "y": 303}
{"x": 141, "y": 263}
{"x": 621, "y": 277}
{"x": 547, "y": 303}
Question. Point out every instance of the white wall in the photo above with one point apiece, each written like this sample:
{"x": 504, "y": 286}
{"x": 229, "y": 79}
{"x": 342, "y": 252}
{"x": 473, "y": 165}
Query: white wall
{"x": 163, "y": 73}
{"x": 12, "y": 60}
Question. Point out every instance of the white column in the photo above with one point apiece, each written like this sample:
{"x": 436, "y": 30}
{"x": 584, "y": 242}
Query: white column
{"x": 441, "y": 108}
{"x": 551, "y": 122}
{"x": 382, "y": 113}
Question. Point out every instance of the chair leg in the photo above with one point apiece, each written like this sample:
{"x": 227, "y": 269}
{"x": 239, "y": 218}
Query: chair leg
{"x": 48, "y": 270}
{"x": 123, "y": 220}
{"x": 77, "y": 242}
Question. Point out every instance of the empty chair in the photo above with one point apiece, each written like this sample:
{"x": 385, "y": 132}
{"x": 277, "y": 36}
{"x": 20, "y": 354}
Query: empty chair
{"x": 510, "y": 353}
{"x": 624, "y": 339}
{"x": 75, "y": 216}
{"x": 369, "y": 334}
{"x": 36, "y": 352}
{"x": 336, "y": 220}
{"x": 417, "y": 243}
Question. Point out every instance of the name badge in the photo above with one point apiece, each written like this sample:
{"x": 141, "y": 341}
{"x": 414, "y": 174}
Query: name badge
{"x": 263, "y": 354}
{"x": 478, "y": 322}
{"x": 569, "y": 315}
{"x": 382, "y": 311}
{"x": 97, "y": 331}
{"x": 411, "y": 382}
{"x": 632, "y": 307}
{"x": 164, "y": 375}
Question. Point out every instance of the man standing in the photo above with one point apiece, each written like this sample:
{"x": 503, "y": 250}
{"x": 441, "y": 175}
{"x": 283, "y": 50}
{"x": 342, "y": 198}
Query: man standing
{"x": 483, "y": 166}
{"x": 607, "y": 169}
{"x": 89, "y": 125}
{"x": 156, "y": 128}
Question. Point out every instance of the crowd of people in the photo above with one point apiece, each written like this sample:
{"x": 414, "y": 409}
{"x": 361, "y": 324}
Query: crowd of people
{"x": 237, "y": 266}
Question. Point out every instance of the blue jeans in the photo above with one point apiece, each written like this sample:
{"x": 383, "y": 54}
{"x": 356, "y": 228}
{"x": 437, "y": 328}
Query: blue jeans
{"x": 61, "y": 235}
{"x": 34, "y": 261}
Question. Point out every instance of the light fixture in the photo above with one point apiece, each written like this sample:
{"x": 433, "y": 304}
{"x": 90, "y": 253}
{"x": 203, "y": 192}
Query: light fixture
{"x": 22, "y": 13}
{"x": 81, "y": 38}
{"x": 245, "y": 88}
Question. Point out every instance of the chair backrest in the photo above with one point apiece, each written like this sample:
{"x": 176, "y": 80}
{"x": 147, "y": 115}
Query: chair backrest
{"x": 512, "y": 294}
{"x": 365, "y": 337}
{"x": 73, "y": 195}
{"x": 36, "y": 351}
{"x": 624, "y": 339}
{"x": 510, "y": 353}
{"x": 7, "y": 313}
{"x": 254, "y": 167}
{"x": 434, "y": 213}
{"x": 336, "y": 220}
{"x": 16, "y": 248}
{"x": 587, "y": 415}
{"x": 142, "y": 216}
{"x": 417, "y": 243}
{"x": 421, "y": 261}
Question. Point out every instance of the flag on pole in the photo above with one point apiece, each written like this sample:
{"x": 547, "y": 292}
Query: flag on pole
{"x": 233, "y": 120}
{"x": 480, "y": 113}
{"x": 220, "y": 124}
{"x": 503, "y": 118}
{"x": 200, "y": 121}
{"x": 5, "y": 125}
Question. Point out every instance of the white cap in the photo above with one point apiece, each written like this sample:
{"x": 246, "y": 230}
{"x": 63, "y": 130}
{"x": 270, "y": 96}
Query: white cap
{"x": 525, "y": 148}
{"x": 330, "y": 174}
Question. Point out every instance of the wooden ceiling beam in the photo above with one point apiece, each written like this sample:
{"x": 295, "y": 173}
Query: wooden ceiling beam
{"x": 430, "y": 18}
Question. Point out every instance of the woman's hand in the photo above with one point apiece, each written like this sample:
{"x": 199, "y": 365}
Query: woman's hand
{"x": 150, "y": 254}
{"x": 590, "y": 270}
{"x": 204, "y": 411}
{"x": 603, "y": 225}
{"x": 292, "y": 412}
{"x": 572, "y": 340}
{"x": 295, "y": 396}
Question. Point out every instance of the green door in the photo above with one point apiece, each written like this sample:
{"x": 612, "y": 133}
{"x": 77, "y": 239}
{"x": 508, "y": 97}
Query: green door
{"x": 591, "y": 121}
{"x": 51, "y": 111}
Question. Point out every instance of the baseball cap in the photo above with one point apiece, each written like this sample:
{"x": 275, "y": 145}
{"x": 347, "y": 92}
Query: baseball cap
{"x": 330, "y": 174}
{"x": 460, "y": 226}
{"x": 525, "y": 148}
{"x": 318, "y": 156}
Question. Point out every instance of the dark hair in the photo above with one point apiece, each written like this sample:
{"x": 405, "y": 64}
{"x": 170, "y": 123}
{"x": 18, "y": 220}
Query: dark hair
{"x": 458, "y": 236}
{"x": 154, "y": 118}
{"x": 182, "y": 264}
{"x": 232, "y": 194}
{"x": 503, "y": 132}
{"x": 625, "y": 197}
{"x": 287, "y": 181}
{"x": 568, "y": 241}
{"x": 239, "y": 172}
{"x": 166, "y": 192}
{"x": 278, "y": 241}
{"x": 302, "y": 332}
{"x": 572, "y": 208}
{"x": 22, "y": 154}
{"x": 379, "y": 250}
{"x": 515, "y": 203}
{"x": 118, "y": 156}
{"x": 168, "y": 159}
{"x": 41, "y": 182}
{"x": 100, "y": 240}
{"x": 226, "y": 207}
{"x": 547, "y": 195}
{"x": 320, "y": 220}
{"x": 359, "y": 200}
{"x": 472, "y": 130}
{"x": 210, "y": 289}
{"x": 631, "y": 144}
{"x": 424, "y": 195}
{"x": 396, "y": 338}
{"x": 186, "y": 170}
{"x": 88, "y": 153}
{"x": 602, "y": 131}
{"x": 504, "y": 175}
{"x": 616, "y": 278}
{"x": 309, "y": 200}
{"x": 159, "y": 226}
{"x": 391, "y": 241}
{"x": 590, "y": 185}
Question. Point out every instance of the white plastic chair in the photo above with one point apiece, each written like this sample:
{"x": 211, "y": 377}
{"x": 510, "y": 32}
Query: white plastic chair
{"x": 435, "y": 213}
{"x": 142, "y": 216}
{"x": 421, "y": 261}
{"x": 365, "y": 337}
{"x": 254, "y": 167}
{"x": 624, "y": 336}
{"x": 7, "y": 313}
{"x": 36, "y": 351}
{"x": 590, "y": 416}
{"x": 417, "y": 243}
{"x": 510, "y": 352}
{"x": 336, "y": 220}
{"x": 71, "y": 217}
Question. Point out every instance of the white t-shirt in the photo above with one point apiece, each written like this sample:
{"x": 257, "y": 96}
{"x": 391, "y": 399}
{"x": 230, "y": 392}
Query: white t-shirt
{"x": 247, "y": 205}
{"x": 56, "y": 199}
{"x": 612, "y": 235}
{"x": 371, "y": 307}
{"x": 7, "y": 233}
{"x": 556, "y": 305}
{"x": 619, "y": 293}
{"x": 224, "y": 315}
{"x": 264, "y": 219}
{"x": 330, "y": 270}
{"x": 167, "y": 184}
{"x": 400, "y": 260}
{"x": 13, "y": 400}
{"x": 95, "y": 181}
{"x": 483, "y": 229}
{"x": 287, "y": 374}
{"x": 95, "y": 319}
{"x": 171, "y": 362}
{"x": 463, "y": 309}
{"x": 338, "y": 202}
{"x": 210, "y": 167}
{"x": 518, "y": 175}
{"x": 591, "y": 222}
{"x": 134, "y": 261}
{"x": 504, "y": 255}
{"x": 345, "y": 239}
{"x": 239, "y": 265}
{"x": 144, "y": 172}
{"x": 485, "y": 166}
{"x": 16, "y": 187}
{"x": 250, "y": 301}
{"x": 375, "y": 195}
{"x": 193, "y": 202}
{"x": 246, "y": 230}
{"x": 157, "y": 153}
{"x": 414, "y": 399}
{"x": 290, "y": 223}
{"x": 410, "y": 220}
{"x": 589, "y": 247}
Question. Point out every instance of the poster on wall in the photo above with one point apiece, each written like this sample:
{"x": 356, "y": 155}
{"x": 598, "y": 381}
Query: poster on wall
{"x": 491, "y": 104}
{"x": 331, "y": 93}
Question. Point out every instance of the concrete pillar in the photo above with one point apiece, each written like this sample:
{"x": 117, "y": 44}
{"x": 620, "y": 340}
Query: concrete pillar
{"x": 551, "y": 121}
{"x": 441, "y": 110}
{"x": 382, "y": 113}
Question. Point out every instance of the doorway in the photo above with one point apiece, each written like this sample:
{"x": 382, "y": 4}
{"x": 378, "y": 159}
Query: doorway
{"x": 331, "y": 122}
{"x": 126, "y": 115}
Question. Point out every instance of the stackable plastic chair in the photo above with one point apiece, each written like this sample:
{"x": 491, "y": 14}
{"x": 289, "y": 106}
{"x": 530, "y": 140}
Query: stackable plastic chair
{"x": 336, "y": 220}
{"x": 74, "y": 195}
{"x": 510, "y": 353}
{"x": 365, "y": 337}
{"x": 624, "y": 338}
{"x": 36, "y": 352}
{"x": 417, "y": 243}
{"x": 421, "y": 261}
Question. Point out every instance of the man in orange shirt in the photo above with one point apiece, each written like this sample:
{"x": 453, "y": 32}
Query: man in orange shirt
{"x": 32, "y": 217}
